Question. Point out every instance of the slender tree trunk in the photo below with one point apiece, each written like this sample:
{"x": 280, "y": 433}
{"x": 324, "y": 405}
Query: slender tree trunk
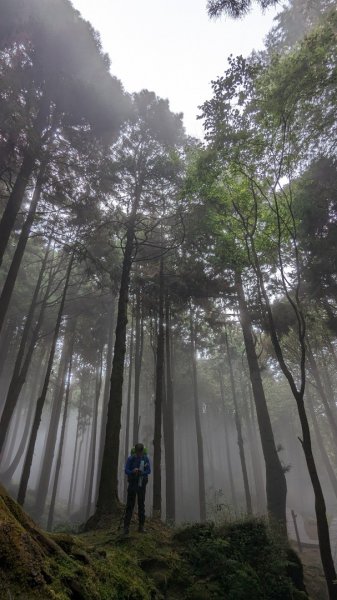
{"x": 169, "y": 420}
{"x": 92, "y": 451}
{"x": 329, "y": 412}
{"x": 200, "y": 445}
{"x": 139, "y": 335}
{"x": 49, "y": 450}
{"x": 128, "y": 409}
{"x": 157, "y": 500}
{"x": 7, "y": 475}
{"x": 5, "y": 341}
{"x": 107, "y": 500}
{"x": 320, "y": 508}
{"x": 276, "y": 486}
{"x": 40, "y": 403}
{"x": 328, "y": 384}
{"x": 60, "y": 450}
{"x": 77, "y": 470}
{"x": 10, "y": 280}
{"x": 228, "y": 449}
{"x": 30, "y": 158}
{"x": 256, "y": 464}
{"x": 72, "y": 477}
{"x": 12, "y": 431}
{"x": 106, "y": 390}
{"x": 239, "y": 431}
{"x": 320, "y": 443}
{"x": 21, "y": 366}
{"x": 332, "y": 351}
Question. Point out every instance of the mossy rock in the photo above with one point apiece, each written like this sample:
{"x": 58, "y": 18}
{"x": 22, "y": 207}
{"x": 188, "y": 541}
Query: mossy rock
{"x": 238, "y": 561}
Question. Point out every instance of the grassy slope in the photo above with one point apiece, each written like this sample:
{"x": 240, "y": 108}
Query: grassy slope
{"x": 239, "y": 561}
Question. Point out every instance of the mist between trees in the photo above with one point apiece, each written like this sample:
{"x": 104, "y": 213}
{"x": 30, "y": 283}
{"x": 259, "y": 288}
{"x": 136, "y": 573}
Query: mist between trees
{"x": 163, "y": 290}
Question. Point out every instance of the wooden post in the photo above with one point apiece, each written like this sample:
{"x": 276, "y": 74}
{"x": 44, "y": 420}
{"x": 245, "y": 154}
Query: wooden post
{"x": 296, "y": 531}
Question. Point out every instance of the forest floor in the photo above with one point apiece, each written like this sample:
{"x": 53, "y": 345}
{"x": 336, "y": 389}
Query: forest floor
{"x": 235, "y": 561}
{"x": 313, "y": 573}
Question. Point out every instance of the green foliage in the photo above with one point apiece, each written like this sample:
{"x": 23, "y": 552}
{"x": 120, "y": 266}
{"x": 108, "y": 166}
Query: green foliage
{"x": 235, "y": 8}
{"x": 244, "y": 558}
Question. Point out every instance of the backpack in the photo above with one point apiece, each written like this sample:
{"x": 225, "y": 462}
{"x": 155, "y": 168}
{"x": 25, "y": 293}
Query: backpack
{"x": 133, "y": 451}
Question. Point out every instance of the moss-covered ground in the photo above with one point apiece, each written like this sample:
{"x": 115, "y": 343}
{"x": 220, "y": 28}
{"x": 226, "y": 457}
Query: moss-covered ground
{"x": 236, "y": 561}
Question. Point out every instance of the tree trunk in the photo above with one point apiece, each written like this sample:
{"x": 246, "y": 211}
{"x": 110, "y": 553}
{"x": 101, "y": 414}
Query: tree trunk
{"x": 128, "y": 410}
{"x": 276, "y": 486}
{"x": 169, "y": 421}
{"x": 72, "y": 477}
{"x": 7, "y": 475}
{"x": 107, "y": 500}
{"x": 228, "y": 449}
{"x": 320, "y": 443}
{"x": 60, "y": 451}
{"x": 329, "y": 412}
{"x": 21, "y": 366}
{"x": 320, "y": 508}
{"x": 92, "y": 450}
{"x": 51, "y": 437}
{"x": 139, "y": 335}
{"x": 10, "y": 280}
{"x": 256, "y": 463}
{"x": 157, "y": 500}
{"x": 106, "y": 390}
{"x": 28, "y": 164}
{"x": 239, "y": 431}
{"x": 5, "y": 341}
{"x": 200, "y": 445}
{"x": 40, "y": 403}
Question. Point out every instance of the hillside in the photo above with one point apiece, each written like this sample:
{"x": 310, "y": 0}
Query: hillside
{"x": 238, "y": 561}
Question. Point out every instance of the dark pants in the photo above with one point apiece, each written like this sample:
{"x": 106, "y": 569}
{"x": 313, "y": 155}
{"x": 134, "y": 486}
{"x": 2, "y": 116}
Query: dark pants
{"x": 135, "y": 491}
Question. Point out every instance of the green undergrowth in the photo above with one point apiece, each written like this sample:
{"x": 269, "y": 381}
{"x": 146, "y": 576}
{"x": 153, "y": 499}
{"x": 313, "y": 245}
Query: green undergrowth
{"x": 235, "y": 561}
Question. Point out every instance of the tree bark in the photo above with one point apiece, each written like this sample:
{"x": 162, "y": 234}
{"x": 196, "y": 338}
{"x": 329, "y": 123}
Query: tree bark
{"x": 256, "y": 463}
{"x": 92, "y": 450}
{"x": 329, "y": 412}
{"x": 320, "y": 443}
{"x": 320, "y": 507}
{"x": 7, "y": 475}
{"x": 169, "y": 421}
{"x": 128, "y": 409}
{"x": 107, "y": 500}
{"x": 106, "y": 390}
{"x": 276, "y": 486}
{"x": 72, "y": 477}
{"x": 157, "y": 499}
{"x": 298, "y": 393}
{"x": 239, "y": 431}
{"x": 22, "y": 364}
{"x": 50, "y": 445}
{"x": 40, "y": 403}
{"x": 30, "y": 158}
{"x": 12, "y": 274}
{"x": 200, "y": 444}
{"x": 228, "y": 449}
{"x": 60, "y": 450}
{"x": 139, "y": 339}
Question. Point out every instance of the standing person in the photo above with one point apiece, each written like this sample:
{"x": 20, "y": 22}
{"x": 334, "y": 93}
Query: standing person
{"x": 137, "y": 469}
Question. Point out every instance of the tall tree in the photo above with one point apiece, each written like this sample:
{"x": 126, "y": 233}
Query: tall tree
{"x": 145, "y": 155}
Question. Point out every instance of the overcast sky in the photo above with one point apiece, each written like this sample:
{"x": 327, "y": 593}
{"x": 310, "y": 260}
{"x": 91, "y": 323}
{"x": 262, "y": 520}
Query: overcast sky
{"x": 171, "y": 47}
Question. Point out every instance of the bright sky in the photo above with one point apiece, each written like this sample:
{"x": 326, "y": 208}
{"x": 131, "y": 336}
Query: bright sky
{"x": 171, "y": 47}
